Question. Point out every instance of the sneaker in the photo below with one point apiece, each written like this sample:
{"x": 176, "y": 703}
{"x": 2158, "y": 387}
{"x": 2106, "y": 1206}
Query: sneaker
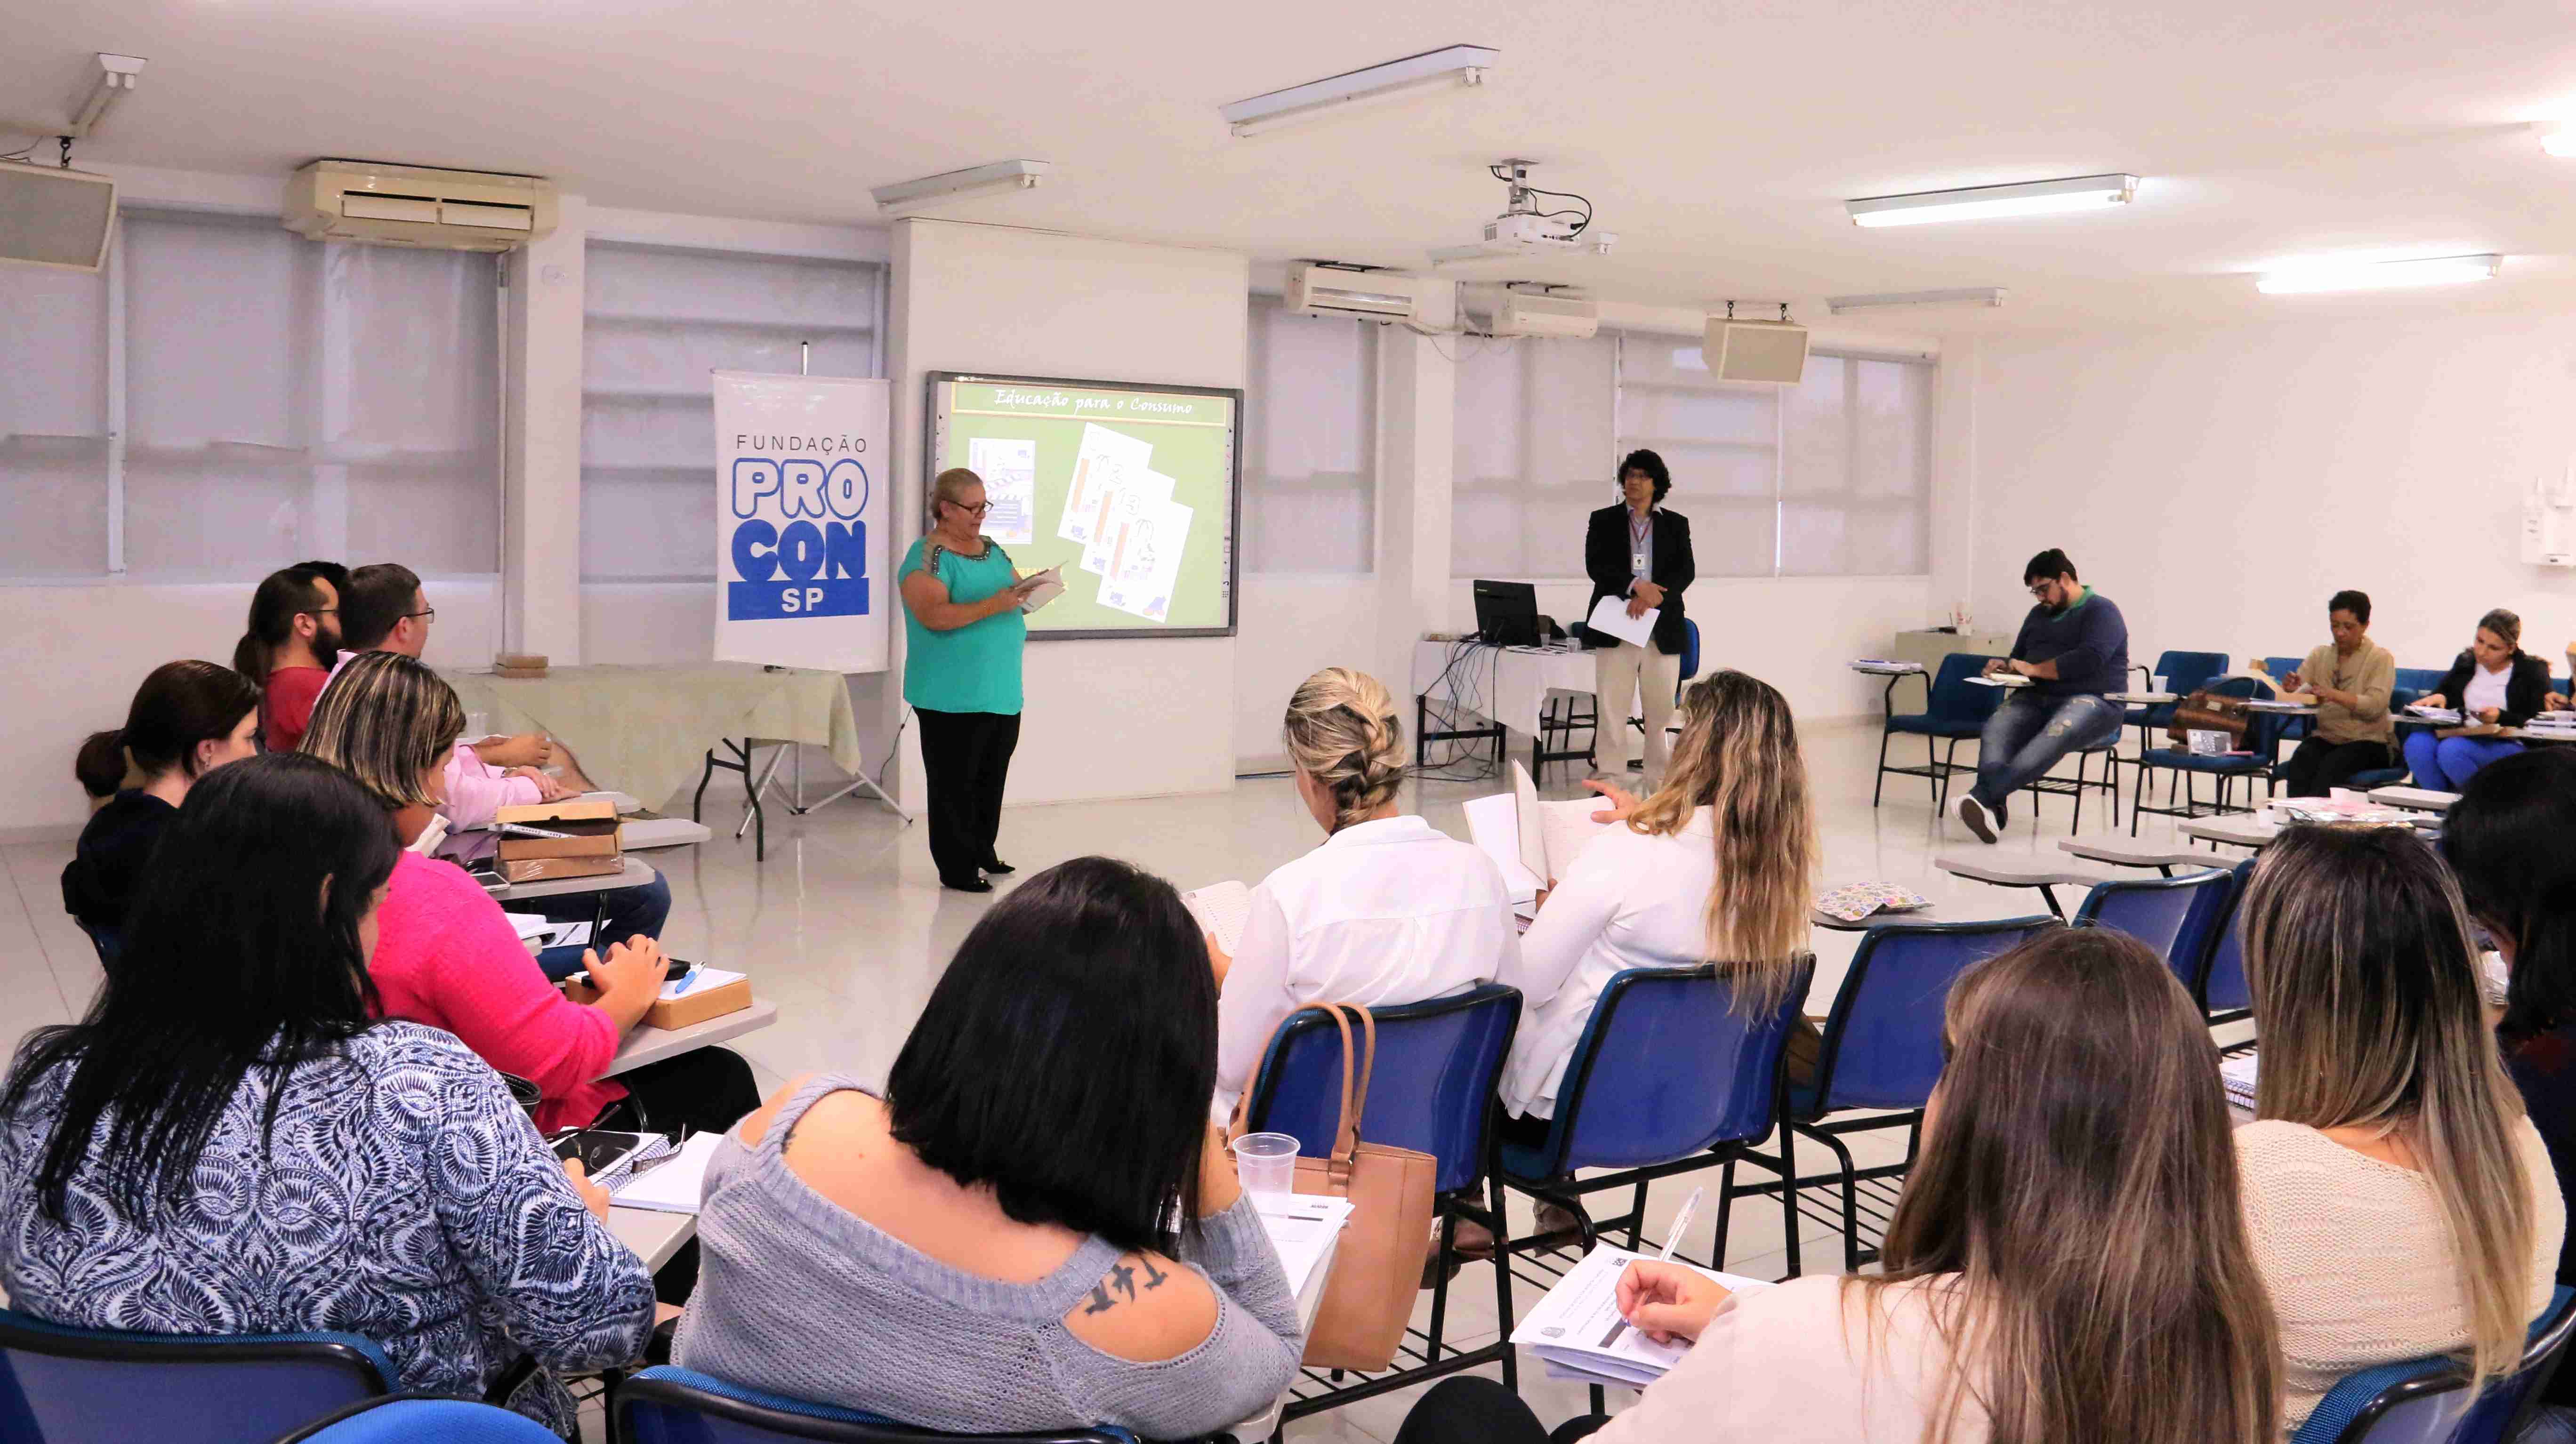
{"x": 1973, "y": 815}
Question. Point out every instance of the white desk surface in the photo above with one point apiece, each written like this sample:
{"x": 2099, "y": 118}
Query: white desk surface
{"x": 2017, "y": 869}
{"x": 1261, "y": 1426}
{"x": 2141, "y": 699}
{"x": 2414, "y": 799}
{"x": 2285, "y": 709}
{"x": 658, "y": 832}
{"x": 652, "y": 1045}
{"x": 653, "y": 1234}
{"x": 1889, "y": 669}
{"x": 638, "y": 872}
{"x": 2242, "y": 829}
{"x": 2125, "y": 851}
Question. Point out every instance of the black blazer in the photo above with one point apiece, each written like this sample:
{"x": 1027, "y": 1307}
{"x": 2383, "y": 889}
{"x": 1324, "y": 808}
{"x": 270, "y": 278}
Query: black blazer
{"x": 1605, "y": 558}
{"x": 2526, "y": 692}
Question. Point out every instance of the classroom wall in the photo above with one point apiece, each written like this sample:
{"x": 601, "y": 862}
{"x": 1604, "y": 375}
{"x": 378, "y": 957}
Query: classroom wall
{"x": 1127, "y": 717}
{"x": 2221, "y": 484}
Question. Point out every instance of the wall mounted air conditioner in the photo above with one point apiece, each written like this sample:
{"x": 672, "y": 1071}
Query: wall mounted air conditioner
{"x": 1537, "y": 313}
{"x": 401, "y": 205}
{"x": 1319, "y": 290}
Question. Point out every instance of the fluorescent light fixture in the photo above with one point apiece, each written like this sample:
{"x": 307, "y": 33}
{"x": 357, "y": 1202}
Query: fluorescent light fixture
{"x": 1002, "y": 175}
{"x": 2075, "y": 193}
{"x": 1451, "y": 65}
{"x": 2560, "y": 141}
{"x": 1892, "y": 300}
{"x": 2379, "y": 275}
{"x": 115, "y": 77}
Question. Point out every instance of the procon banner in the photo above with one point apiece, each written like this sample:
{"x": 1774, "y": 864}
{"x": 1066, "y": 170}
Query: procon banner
{"x": 801, "y": 521}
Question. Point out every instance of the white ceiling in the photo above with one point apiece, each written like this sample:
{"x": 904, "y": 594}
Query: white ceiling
{"x": 1717, "y": 141}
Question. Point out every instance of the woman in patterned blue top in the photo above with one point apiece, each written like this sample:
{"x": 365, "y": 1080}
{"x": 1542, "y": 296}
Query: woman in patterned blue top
{"x": 228, "y": 1144}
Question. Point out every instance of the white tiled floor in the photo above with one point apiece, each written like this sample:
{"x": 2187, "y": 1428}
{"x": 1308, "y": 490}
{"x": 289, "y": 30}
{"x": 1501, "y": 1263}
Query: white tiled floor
{"x": 846, "y": 927}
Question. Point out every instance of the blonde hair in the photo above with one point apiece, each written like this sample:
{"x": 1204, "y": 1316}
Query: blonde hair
{"x": 1738, "y": 757}
{"x": 2073, "y": 1213}
{"x": 385, "y": 720}
{"x": 1342, "y": 731}
{"x": 2365, "y": 991}
{"x": 948, "y": 486}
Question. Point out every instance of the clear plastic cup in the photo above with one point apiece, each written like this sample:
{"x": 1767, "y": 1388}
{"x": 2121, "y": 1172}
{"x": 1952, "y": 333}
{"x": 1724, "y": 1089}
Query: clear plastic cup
{"x": 1266, "y": 1162}
{"x": 478, "y": 725}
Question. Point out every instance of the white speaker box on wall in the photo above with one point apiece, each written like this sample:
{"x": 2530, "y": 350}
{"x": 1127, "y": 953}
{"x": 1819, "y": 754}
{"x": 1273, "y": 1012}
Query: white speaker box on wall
{"x": 55, "y": 217}
{"x": 1755, "y": 350}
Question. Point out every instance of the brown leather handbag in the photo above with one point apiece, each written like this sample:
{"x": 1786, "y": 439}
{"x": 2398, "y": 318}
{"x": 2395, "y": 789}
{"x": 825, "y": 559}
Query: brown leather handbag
{"x": 2207, "y": 711}
{"x": 1377, "y": 1267}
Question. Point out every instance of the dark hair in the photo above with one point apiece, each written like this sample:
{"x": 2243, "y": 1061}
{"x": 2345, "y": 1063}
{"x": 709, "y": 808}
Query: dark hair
{"x": 233, "y": 959}
{"x": 1067, "y": 1056}
{"x": 180, "y": 705}
{"x": 377, "y": 597}
{"x": 283, "y": 595}
{"x": 1653, "y": 466}
{"x": 2047, "y": 566}
{"x": 386, "y": 720}
{"x": 2348, "y": 600}
{"x": 2507, "y": 839}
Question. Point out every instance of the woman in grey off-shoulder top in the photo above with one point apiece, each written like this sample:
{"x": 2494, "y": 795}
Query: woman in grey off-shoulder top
{"x": 1055, "y": 1089}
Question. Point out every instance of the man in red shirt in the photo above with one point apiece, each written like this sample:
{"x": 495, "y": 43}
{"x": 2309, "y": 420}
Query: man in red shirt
{"x": 292, "y": 642}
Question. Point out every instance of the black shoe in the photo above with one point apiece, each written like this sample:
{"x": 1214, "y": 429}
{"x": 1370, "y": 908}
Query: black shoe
{"x": 998, "y": 868}
{"x": 973, "y": 884}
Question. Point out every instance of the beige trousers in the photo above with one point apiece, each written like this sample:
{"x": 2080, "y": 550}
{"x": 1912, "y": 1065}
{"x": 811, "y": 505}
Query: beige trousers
{"x": 1619, "y": 675}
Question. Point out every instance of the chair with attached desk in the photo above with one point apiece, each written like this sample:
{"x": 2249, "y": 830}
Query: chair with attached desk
{"x": 667, "y": 1405}
{"x": 1431, "y": 1089}
{"x": 2254, "y": 760}
{"x": 2220, "y": 988}
{"x": 1880, "y": 1048}
{"x": 2175, "y": 916}
{"x": 2418, "y": 1401}
{"x": 65, "y": 1385}
{"x": 1954, "y": 711}
{"x": 1670, "y": 1076}
{"x": 2184, "y": 674}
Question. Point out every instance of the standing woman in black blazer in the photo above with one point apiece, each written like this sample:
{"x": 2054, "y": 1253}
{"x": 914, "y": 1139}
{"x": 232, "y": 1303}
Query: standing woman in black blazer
{"x": 1642, "y": 552}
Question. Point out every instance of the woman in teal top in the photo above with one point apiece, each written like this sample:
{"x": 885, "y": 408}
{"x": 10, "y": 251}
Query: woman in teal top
{"x": 962, "y": 633}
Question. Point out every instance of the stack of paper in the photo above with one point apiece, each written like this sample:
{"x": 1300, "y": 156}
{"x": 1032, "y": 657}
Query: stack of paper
{"x": 2237, "y": 1074}
{"x": 1577, "y": 1331}
{"x": 671, "y": 1185}
{"x": 1302, "y": 1227}
{"x": 2448, "y": 716}
{"x": 1221, "y": 908}
{"x": 2002, "y": 679}
{"x": 697, "y": 978}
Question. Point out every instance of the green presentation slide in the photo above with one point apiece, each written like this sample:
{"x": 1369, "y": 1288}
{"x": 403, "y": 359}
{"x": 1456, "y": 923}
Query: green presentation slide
{"x": 1130, "y": 489}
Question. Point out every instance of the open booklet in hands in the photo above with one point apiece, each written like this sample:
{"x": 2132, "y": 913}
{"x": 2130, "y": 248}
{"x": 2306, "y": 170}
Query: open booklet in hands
{"x": 1579, "y": 1333}
{"x": 1534, "y": 842}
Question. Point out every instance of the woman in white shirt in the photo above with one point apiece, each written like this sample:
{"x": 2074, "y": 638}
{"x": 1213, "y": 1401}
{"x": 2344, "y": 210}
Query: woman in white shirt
{"x": 2067, "y": 1262}
{"x": 1389, "y": 910}
{"x": 2398, "y": 1199}
{"x": 1716, "y": 866}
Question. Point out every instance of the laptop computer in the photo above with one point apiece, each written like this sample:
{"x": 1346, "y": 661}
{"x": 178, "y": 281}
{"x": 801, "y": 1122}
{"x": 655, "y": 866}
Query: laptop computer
{"x": 1507, "y": 613}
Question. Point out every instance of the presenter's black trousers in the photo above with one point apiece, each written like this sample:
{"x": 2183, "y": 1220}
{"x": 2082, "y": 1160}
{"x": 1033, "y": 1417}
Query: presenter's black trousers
{"x": 965, "y": 759}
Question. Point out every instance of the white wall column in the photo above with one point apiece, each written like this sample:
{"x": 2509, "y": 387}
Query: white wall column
{"x": 1416, "y": 459}
{"x": 541, "y": 446}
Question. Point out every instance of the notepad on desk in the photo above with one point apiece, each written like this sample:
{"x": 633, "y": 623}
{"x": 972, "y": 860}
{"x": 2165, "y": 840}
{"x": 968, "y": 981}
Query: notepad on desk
{"x": 1578, "y": 1332}
{"x": 673, "y": 1185}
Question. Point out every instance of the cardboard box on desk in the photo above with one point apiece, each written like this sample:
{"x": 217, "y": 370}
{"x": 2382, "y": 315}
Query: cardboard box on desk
{"x": 694, "y": 1006}
{"x": 593, "y": 847}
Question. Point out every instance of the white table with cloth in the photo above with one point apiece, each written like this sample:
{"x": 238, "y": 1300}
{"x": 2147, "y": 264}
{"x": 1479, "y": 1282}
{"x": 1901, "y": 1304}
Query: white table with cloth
{"x": 1507, "y": 686}
{"x": 647, "y": 730}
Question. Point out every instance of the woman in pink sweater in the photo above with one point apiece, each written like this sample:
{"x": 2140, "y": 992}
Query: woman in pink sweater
{"x": 449, "y": 958}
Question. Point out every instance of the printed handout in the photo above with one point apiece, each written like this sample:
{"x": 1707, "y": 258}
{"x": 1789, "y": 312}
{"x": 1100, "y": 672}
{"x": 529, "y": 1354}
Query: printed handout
{"x": 1009, "y": 466}
{"x": 1577, "y": 1331}
{"x": 1145, "y": 560}
{"x": 1104, "y": 464}
{"x": 1119, "y": 508}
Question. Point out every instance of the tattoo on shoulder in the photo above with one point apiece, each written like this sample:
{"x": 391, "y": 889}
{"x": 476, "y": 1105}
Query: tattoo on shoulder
{"x": 1120, "y": 1283}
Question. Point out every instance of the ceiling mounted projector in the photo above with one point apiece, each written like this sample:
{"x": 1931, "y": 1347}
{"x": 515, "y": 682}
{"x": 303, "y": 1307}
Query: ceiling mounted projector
{"x": 1525, "y": 230}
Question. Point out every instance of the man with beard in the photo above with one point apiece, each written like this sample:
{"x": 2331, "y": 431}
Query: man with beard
{"x": 291, "y": 646}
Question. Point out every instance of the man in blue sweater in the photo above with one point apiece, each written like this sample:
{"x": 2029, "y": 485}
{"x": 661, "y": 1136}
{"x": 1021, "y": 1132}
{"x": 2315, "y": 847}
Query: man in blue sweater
{"x": 2073, "y": 647}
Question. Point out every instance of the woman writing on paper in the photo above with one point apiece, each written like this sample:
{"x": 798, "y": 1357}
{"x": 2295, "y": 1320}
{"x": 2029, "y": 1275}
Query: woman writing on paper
{"x": 1639, "y": 551}
{"x": 962, "y": 637}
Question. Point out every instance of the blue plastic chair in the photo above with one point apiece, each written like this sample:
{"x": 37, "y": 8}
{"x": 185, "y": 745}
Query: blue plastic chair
{"x": 1431, "y": 1089}
{"x": 2184, "y": 674}
{"x": 2398, "y": 698}
{"x": 666, "y": 1405}
{"x": 2173, "y": 915}
{"x": 1880, "y": 1049}
{"x": 1669, "y": 1076}
{"x": 2419, "y": 1401}
{"x": 2258, "y": 759}
{"x": 2420, "y": 680}
{"x": 1954, "y": 711}
{"x": 2222, "y": 992}
{"x": 422, "y": 1419}
{"x": 64, "y": 1385}
{"x": 2281, "y": 667}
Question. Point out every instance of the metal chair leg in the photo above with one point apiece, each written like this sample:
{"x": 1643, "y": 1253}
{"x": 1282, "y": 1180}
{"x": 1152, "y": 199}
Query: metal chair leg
{"x": 1503, "y": 1278}
{"x": 1881, "y": 789}
{"x": 1789, "y": 1187}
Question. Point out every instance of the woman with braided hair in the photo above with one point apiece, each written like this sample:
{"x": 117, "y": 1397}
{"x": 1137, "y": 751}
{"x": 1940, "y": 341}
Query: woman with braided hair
{"x": 1388, "y": 910}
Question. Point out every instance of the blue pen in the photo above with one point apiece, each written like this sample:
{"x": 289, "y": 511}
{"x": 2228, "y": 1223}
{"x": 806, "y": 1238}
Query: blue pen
{"x": 686, "y": 983}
